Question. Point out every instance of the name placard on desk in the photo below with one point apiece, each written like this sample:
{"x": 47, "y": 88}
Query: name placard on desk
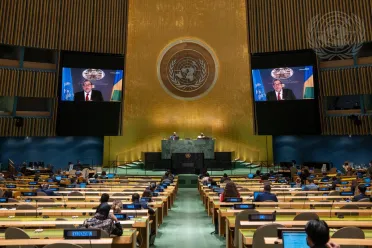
{"x": 234, "y": 199}
{"x": 121, "y": 216}
{"x": 82, "y": 233}
{"x": 29, "y": 193}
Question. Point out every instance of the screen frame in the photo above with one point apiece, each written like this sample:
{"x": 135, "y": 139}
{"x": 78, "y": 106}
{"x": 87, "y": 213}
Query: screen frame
{"x": 280, "y": 59}
{"x": 106, "y": 62}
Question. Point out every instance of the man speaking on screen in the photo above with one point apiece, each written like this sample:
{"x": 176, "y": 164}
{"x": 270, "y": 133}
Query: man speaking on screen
{"x": 88, "y": 94}
{"x": 279, "y": 93}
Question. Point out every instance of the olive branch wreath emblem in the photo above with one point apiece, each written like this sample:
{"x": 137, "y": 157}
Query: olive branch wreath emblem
{"x": 176, "y": 82}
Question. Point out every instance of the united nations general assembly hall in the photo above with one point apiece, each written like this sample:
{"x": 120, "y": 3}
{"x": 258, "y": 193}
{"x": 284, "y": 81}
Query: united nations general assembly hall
{"x": 185, "y": 123}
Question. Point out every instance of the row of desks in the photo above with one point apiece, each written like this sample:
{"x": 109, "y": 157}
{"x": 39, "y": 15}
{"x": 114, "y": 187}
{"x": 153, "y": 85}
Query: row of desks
{"x": 48, "y": 213}
{"x": 328, "y": 211}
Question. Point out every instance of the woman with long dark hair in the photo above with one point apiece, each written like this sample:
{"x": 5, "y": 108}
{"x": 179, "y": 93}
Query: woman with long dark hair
{"x": 230, "y": 191}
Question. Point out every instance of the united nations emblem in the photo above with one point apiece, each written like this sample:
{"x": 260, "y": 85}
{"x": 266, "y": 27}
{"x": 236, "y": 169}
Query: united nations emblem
{"x": 187, "y": 69}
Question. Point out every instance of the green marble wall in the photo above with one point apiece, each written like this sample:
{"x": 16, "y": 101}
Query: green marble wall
{"x": 205, "y": 146}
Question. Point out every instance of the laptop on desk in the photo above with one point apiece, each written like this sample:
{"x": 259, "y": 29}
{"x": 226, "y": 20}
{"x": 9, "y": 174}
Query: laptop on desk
{"x": 294, "y": 239}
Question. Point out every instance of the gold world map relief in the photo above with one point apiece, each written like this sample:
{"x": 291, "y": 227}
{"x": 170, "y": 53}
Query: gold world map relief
{"x": 187, "y": 69}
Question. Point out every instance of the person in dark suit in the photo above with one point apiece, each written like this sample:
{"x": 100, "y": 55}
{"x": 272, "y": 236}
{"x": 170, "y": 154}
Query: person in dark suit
{"x": 88, "y": 94}
{"x": 174, "y": 136}
{"x": 279, "y": 93}
{"x": 266, "y": 195}
{"x": 362, "y": 189}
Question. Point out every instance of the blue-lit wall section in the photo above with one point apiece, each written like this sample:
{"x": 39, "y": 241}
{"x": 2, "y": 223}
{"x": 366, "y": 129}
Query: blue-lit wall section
{"x": 335, "y": 149}
{"x": 57, "y": 151}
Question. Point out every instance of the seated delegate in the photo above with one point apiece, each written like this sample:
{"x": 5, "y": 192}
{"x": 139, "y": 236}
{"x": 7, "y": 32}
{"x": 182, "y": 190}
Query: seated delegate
{"x": 136, "y": 200}
{"x": 45, "y": 189}
{"x": 311, "y": 186}
{"x": 362, "y": 189}
{"x": 224, "y": 178}
{"x": 103, "y": 219}
{"x": 229, "y": 191}
{"x": 317, "y": 232}
{"x": 266, "y": 195}
{"x": 211, "y": 182}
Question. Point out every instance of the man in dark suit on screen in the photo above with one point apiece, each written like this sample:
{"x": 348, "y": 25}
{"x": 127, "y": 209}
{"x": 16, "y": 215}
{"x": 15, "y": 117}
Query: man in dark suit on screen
{"x": 88, "y": 94}
{"x": 279, "y": 93}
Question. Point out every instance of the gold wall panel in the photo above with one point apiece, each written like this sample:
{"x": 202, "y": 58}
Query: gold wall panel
{"x": 225, "y": 113}
{"x": 281, "y": 25}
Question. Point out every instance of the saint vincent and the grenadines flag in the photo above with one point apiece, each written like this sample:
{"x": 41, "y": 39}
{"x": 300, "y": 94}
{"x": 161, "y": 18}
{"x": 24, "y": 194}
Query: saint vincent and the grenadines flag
{"x": 118, "y": 85}
{"x": 309, "y": 83}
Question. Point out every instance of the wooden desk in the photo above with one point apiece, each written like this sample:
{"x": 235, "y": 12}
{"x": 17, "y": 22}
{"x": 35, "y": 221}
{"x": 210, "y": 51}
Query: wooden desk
{"x": 362, "y": 222}
{"x": 353, "y": 242}
{"x": 142, "y": 224}
{"x": 117, "y": 242}
{"x": 72, "y": 214}
{"x": 215, "y": 205}
{"x": 291, "y": 213}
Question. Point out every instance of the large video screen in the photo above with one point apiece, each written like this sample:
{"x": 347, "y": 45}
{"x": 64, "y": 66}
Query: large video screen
{"x": 285, "y": 86}
{"x": 283, "y": 83}
{"x": 90, "y": 94}
{"x": 93, "y": 85}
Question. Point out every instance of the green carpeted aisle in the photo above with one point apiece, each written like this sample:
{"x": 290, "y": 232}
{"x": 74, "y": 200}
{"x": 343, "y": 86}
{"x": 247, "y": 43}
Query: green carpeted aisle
{"x": 188, "y": 225}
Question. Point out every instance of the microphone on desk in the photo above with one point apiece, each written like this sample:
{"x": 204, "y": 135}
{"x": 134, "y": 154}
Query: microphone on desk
{"x": 64, "y": 201}
{"x": 330, "y": 211}
{"x": 304, "y": 202}
{"x": 36, "y": 207}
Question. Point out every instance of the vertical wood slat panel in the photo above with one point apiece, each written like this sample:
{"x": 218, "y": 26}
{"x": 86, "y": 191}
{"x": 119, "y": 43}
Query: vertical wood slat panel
{"x": 37, "y": 84}
{"x": 284, "y": 13}
{"x": 37, "y": 23}
{"x": 84, "y": 25}
{"x": 350, "y": 81}
{"x": 30, "y": 23}
{"x": 8, "y": 82}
